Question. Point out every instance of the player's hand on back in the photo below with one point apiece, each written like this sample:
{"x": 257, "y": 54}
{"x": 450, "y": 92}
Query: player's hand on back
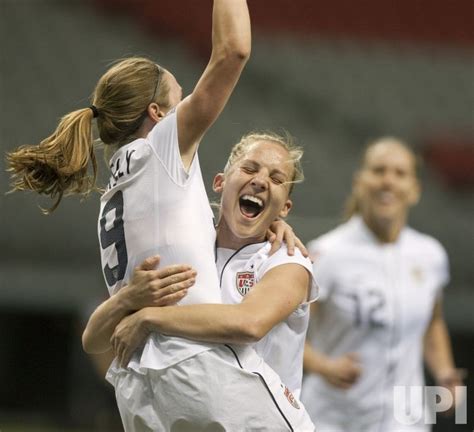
{"x": 151, "y": 286}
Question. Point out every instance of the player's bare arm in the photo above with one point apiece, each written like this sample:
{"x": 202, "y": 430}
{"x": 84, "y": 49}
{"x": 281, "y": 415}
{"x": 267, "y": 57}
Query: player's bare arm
{"x": 341, "y": 372}
{"x": 148, "y": 287}
{"x": 231, "y": 45}
{"x": 438, "y": 353}
{"x": 271, "y": 301}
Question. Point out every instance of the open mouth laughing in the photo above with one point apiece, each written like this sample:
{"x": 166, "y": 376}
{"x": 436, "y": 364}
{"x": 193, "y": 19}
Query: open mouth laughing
{"x": 385, "y": 197}
{"x": 251, "y": 206}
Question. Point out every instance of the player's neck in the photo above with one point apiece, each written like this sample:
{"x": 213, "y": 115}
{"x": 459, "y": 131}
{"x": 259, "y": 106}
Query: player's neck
{"x": 386, "y": 231}
{"x": 226, "y": 238}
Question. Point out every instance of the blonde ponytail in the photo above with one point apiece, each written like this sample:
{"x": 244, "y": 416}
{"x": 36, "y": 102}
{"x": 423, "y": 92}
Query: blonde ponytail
{"x": 59, "y": 165}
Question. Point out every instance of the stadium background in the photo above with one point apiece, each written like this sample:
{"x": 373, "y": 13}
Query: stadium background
{"x": 334, "y": 74}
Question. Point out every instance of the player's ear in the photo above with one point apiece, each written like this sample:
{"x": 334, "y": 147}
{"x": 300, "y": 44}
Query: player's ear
{"x": 286, "y": 208}
{"x": 155, "y": 112}
{"x": 218, "y": 183}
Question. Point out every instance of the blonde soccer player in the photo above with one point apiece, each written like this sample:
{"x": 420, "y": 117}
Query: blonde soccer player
{"x": 154, "y": 203}
{"x": 267, "y": 295}
{"x": 379, "y": 314}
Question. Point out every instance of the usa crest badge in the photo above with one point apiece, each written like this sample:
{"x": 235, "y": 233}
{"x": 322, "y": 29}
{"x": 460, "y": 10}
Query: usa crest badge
{"x": 417, "y": 274}
{"x": 291, "y": 398}
{"x": 245, "y": 281}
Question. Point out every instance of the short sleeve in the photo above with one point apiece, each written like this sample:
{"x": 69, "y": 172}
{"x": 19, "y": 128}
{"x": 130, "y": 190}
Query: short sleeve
{"x": 321, "y": 268}
{"x": 441, "y": 268}
{"x": 281, "y": 257}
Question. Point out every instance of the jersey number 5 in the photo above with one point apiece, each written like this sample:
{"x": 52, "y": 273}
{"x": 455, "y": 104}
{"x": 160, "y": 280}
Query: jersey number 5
{"x": 116, "y": 236}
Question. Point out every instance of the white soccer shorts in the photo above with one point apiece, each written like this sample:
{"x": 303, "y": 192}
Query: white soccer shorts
{"x": 228, "y": 388}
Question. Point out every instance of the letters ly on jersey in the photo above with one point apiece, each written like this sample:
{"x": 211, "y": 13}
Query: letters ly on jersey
{"x": 245, "y": 281}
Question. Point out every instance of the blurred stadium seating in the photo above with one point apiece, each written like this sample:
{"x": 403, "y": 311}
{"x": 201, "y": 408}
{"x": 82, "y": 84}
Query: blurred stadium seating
{"x": 333, "y": 74}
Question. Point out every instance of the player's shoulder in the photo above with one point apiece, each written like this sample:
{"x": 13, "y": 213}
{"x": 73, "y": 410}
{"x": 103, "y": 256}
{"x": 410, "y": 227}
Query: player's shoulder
{"x": 282, "y": 255}
{"x": 333, "y": 239}
{"x": 133, "y": 150}
{"x": 165, "y": 128}
{"x": 126, "y": 164}
{"x": 264, "y": 261}
{"x": 423, "y": 243}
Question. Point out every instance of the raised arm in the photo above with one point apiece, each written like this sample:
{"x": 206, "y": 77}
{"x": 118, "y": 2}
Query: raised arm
{"x": 231, "y": 44}
{"x": 270, "y": 301}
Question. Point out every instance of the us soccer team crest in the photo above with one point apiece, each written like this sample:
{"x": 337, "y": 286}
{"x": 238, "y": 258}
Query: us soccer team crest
{"x": 245, "y": 281}
{"x": 291, "y": 398}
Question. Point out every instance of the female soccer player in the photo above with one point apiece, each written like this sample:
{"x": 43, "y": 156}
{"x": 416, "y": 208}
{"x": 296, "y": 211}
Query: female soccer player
{"x": 380, "y": 309}
{"x": 154, "y": 203}
{"x": 270, "y": 293}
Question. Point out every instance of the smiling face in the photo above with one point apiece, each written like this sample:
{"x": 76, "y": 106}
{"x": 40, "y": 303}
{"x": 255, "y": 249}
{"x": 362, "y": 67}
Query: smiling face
{"x": 255, "y": 192}
{"x": 386, "y": 186}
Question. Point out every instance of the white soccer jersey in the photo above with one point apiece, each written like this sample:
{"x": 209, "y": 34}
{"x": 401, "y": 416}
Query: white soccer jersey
{"x": 153, "y": 206}
{"x": 282, "y": 348}
{"x": 376, "y": 300}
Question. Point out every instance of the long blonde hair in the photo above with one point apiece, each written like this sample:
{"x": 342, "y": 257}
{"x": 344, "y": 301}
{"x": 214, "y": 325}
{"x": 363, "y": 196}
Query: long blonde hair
{"x": 352, "y": 205}
{"x": 59, "y": 165}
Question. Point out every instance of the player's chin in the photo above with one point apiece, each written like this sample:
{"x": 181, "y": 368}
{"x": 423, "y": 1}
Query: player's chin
{"x": 250, "y": 229}
{"x": 388, "y": 214}
{"x": 258, "y": 233}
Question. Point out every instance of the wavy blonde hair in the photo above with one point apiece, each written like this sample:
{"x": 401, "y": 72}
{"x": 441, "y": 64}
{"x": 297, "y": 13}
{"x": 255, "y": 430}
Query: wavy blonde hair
{"x": 65, "y": 163}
